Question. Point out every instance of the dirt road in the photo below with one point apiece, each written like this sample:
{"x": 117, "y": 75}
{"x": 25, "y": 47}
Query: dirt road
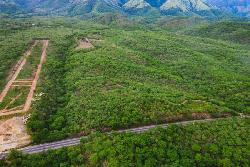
{"x": 13, "y": 132}
{"x": 25, "y": 82}
{"x": 34, "y": 82}
{"x": 13, "y": 78}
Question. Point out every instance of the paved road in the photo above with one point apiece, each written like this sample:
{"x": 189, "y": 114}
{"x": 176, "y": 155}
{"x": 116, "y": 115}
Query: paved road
{"x": 76, "y": 141}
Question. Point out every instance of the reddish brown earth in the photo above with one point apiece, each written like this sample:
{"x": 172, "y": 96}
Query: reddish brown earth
{"x": 24, "y": 82}
{"x": 34, "y": 83}
{"x": 14, "y": 76}
{"x": 13, "y": 133}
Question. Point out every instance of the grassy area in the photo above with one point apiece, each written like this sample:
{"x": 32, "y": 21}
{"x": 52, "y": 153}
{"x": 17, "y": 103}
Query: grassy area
{"x": 19, "y": 94}
{"x": 11, "y": 50}
{"x": 219, "y": 143}
{"x": 31, "y": 65}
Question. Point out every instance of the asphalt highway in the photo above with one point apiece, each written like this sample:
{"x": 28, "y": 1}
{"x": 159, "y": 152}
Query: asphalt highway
{"x": 75, "y": 141}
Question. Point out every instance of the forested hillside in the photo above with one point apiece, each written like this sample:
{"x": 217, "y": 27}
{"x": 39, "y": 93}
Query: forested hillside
{"x": 220, "y": 143}
{"x": 238, "y": 32}
{"x": 128, "y": 7}
{"x": 131, "y": 77}
{"x": 116, "y": 73}
{"x": 241, "y": 7}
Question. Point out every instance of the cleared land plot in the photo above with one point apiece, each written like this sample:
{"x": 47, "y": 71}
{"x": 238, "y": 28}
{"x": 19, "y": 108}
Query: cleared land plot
{"x": 31, "y": 65}
{"x": 15, "y": 97}
{"x": 13, "y": 134}
{"x": 18, "y": 93}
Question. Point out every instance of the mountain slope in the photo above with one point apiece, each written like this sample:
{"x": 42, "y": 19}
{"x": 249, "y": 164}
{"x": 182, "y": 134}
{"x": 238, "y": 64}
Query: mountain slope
{"x": 9, "y": 6}
{"x": 138, "y": 4}
{"x": 232, "y": 31}
{"x": 135, "y": 7}
{"x": 185, "y": 5}
{"x": 76, "y": 7}
{"x": 139, "y": 7}
{"x": 239, "y": 7}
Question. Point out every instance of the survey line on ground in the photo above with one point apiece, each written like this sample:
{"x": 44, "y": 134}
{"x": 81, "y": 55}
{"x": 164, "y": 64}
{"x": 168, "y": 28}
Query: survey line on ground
{"x": 24, "y": 82}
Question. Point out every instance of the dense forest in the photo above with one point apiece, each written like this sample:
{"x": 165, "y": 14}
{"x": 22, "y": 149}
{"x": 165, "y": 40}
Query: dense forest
{"x": 138, "y": 77}
{"x": 220, "y": 143}
{"x": 133, "y": 76}
{"x": 238, "y": 32}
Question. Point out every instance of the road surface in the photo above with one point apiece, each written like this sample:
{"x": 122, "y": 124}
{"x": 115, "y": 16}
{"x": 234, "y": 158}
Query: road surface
{"x": 76, "y": 141}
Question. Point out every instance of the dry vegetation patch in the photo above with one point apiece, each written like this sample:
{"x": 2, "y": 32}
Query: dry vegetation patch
{"x": 84, "y": 43}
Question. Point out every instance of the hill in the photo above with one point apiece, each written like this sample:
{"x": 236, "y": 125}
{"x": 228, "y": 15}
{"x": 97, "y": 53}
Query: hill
{"x": 238, "y": 7}
{"x": 113, "y": 72}
{"x": 132, "y": 76}
{"x": 131, "y": 7}
{"x": 232, "y": 31}
{"x": 209, "y": 8}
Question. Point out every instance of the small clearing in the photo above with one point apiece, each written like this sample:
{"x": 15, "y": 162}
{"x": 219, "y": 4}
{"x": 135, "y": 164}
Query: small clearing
{"x": 84, "y": 43}
{"x": 13, "y": 134}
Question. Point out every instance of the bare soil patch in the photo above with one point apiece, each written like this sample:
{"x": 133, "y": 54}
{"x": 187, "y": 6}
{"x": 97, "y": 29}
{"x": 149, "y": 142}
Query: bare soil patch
{"x": 13, "y": 134}
{"x": 84, "y": 43}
